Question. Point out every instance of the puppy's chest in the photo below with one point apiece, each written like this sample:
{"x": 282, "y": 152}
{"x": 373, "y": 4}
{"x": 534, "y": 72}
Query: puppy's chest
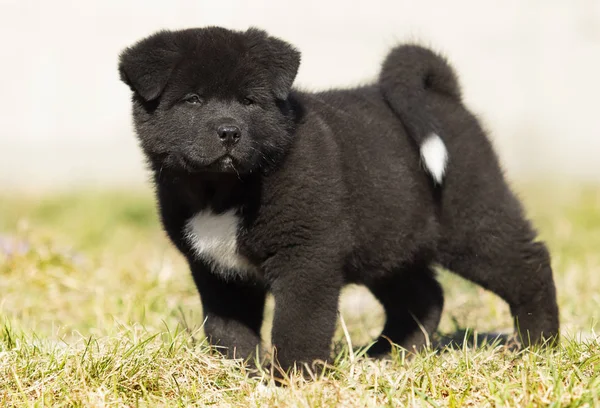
{"x": 214, "y": 238}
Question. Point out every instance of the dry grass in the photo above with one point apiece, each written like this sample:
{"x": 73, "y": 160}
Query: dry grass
{"x": 97, "y": 309}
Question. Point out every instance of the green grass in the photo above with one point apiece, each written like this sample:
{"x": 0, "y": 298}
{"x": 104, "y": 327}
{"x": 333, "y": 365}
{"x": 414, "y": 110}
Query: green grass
{"x": 97, "y": 309}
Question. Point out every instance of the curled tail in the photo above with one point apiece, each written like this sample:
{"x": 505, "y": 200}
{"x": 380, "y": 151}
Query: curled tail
{"x": 409, "y": 76}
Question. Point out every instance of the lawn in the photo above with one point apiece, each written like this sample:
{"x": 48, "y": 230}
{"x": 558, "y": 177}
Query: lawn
{"x": 97, "y": 309}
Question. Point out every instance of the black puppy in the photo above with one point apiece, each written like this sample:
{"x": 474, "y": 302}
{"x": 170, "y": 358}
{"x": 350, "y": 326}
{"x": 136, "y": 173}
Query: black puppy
{"x": 267, "y": 189}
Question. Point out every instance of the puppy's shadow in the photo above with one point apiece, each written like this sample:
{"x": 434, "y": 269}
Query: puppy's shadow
{"x": 459, "y": 340}
{"x": 465, "y": 338}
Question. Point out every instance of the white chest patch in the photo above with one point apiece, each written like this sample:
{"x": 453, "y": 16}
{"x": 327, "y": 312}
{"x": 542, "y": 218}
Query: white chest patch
{"x": 214, "y": 239}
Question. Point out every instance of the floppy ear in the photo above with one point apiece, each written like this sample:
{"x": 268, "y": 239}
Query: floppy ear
{"x": 280, "y": 58}
{"x": 147, "y": 65}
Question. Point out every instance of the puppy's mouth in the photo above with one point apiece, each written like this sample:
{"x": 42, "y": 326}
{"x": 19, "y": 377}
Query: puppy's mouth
{"x": 223, "y": 164}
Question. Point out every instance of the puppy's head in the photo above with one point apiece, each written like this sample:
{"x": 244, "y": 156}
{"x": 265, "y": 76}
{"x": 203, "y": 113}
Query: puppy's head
{"x": 211, "y": 99}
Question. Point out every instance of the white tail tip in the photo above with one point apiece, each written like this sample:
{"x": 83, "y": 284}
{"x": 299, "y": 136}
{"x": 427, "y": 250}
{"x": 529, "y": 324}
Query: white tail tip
{"x": 435, "y": 157}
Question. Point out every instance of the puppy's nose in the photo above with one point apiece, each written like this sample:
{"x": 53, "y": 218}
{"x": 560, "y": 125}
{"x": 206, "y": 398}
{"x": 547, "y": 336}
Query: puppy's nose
{"x": 229, "y": 134}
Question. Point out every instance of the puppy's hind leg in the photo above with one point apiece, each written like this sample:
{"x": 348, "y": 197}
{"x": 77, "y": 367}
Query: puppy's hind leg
{"x": 413, "y": 301}
{"x": 503, "y": 256}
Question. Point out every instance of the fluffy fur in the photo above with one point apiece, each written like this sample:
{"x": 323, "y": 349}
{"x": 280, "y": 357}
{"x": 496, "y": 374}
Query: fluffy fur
{"x": 409, "y": 75}
{"x": 214, "y": 239}
{"x": 435, "y": 157}
{"x": 329, "y": 190}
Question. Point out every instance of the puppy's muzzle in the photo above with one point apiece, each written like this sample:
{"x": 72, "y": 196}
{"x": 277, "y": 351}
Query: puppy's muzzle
{"x": 229, "y": 135}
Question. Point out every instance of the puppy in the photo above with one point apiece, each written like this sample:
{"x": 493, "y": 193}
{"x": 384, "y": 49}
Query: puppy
{"x": 268, "y": 189}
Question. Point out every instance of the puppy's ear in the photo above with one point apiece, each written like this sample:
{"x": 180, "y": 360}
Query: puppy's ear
{"x": 280, "y": 58}
{"x": 147, "y": 65}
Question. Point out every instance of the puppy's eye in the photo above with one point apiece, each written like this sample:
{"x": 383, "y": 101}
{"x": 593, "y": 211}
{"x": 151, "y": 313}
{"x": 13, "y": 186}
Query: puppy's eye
{"x": 247, "y": 101}
{"x": 193, "y": 99}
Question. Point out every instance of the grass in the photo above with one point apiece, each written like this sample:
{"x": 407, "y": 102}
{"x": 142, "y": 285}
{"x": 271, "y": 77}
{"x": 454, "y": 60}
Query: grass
{"x": 97, "y": 309}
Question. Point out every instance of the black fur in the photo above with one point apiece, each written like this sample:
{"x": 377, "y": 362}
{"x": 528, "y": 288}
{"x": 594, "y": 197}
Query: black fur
{"x": 329, "y": 190}
{"x": 408, "y": 75}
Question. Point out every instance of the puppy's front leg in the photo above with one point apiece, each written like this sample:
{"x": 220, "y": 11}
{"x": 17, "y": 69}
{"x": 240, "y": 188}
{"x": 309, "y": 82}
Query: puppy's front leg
{"x": 233, "y": 311}
{"x": 306, "y": 286}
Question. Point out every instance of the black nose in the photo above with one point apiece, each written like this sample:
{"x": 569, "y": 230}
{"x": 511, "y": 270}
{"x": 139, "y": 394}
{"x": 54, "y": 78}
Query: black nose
{"x": 229, "y": 134}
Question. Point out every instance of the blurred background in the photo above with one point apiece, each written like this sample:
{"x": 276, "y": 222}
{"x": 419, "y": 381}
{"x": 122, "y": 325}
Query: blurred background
{"x": 529, "y": 70}
{"x": 82, "y": 253}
